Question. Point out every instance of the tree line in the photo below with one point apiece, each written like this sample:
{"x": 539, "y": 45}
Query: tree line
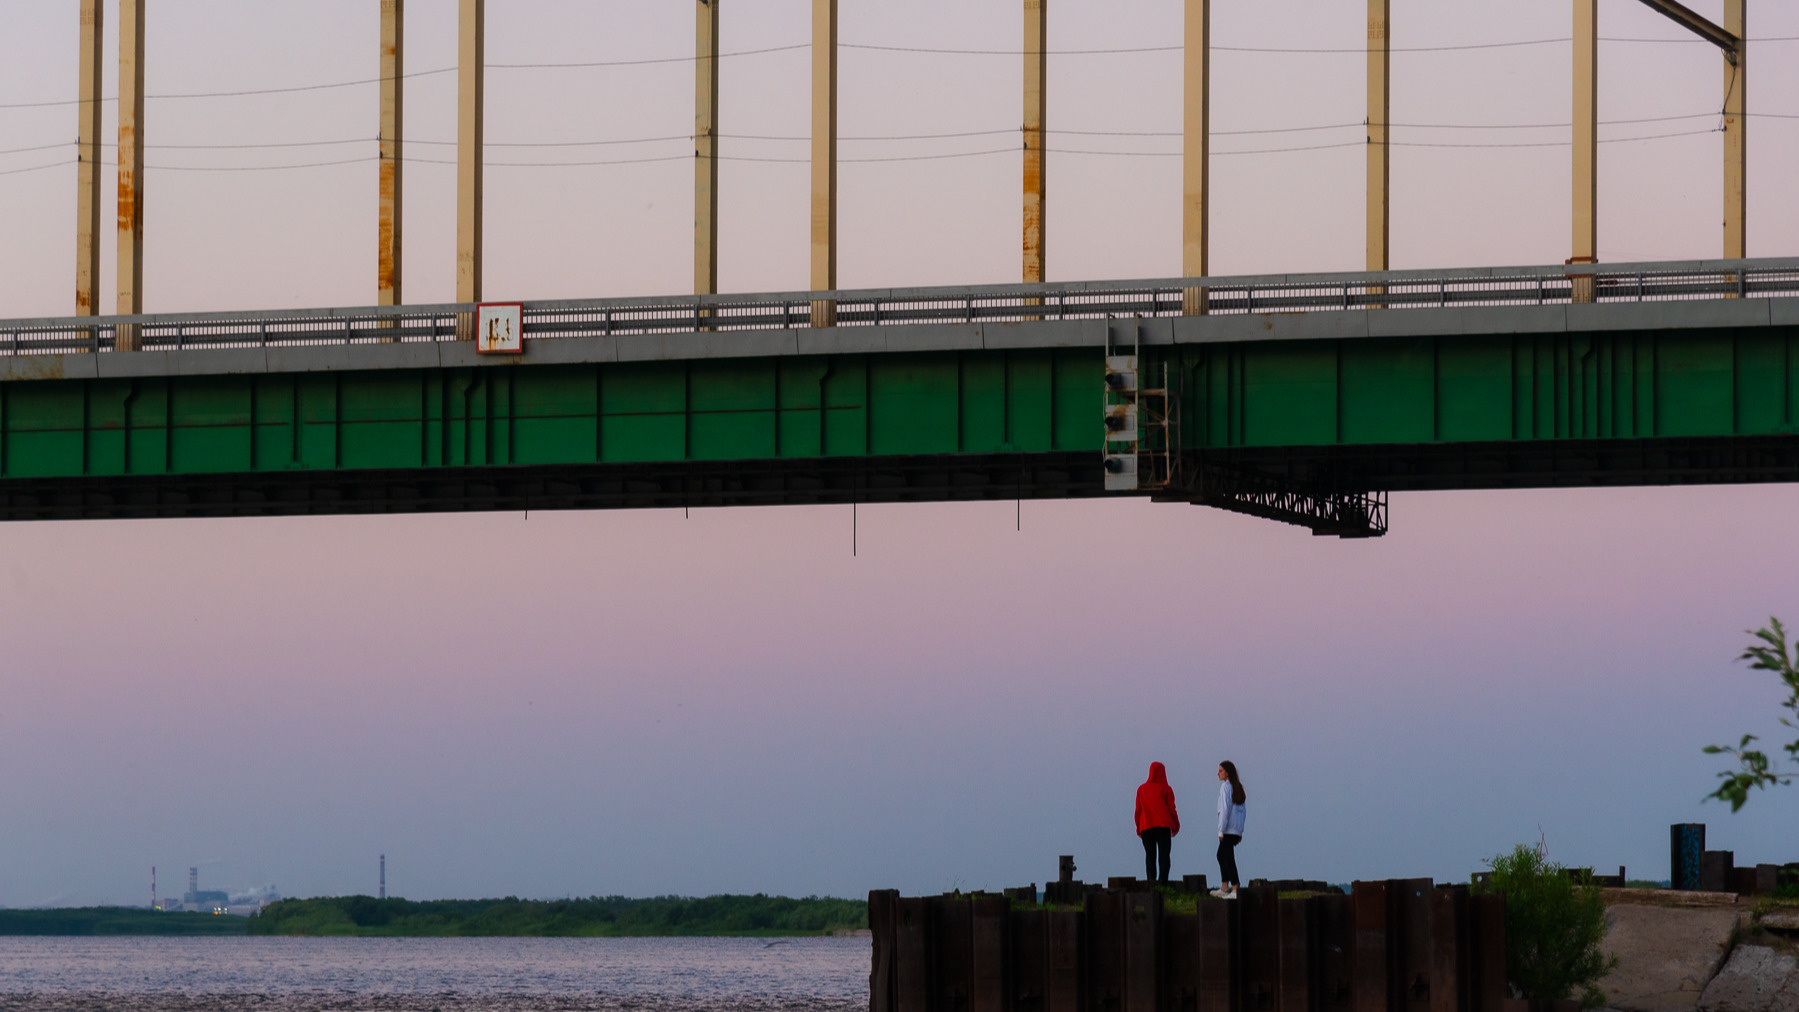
{"x": 595, "y": 916}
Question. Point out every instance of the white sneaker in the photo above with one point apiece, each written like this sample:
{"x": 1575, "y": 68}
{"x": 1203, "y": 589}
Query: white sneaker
{"x": 1229, "y": 895}
{"x": 1219, "y": 892}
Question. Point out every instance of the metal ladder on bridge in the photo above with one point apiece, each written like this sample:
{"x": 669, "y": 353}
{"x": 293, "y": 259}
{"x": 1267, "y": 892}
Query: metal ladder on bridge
{"x": 1142, "y": 423}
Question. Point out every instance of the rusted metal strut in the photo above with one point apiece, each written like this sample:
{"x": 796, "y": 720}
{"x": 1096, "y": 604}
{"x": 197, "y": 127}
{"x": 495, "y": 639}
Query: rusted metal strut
{"x": 1700, "y": 26}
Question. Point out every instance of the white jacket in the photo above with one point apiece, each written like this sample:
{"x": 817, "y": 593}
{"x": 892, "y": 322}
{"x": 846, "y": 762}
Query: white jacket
{"x": 1230, "y": 815}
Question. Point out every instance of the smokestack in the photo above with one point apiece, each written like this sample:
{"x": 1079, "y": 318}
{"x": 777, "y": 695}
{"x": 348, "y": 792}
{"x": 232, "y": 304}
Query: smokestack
{"x": 383, "y": 887}
{"x": 193, "y": 884}
{"x": 152, "y": 887}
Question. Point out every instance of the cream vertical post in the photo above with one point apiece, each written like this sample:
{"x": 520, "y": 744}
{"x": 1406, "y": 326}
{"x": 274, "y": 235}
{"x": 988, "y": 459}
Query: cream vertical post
{"x": 1035, "y": 88}
{"x": 1736, "y": 127}
{"x": 824, "y": 159}
{"x": 1586, "y": 147}
{"x": 87, "y": 171}
{"x": 705, "y": 148}
{"x": 131, "y": 170}
{"x": 393, "y": 72}
{"x": 1196, "y": 151}
{"x": 1380, "y": 71}
{"x": 470, "y": 59}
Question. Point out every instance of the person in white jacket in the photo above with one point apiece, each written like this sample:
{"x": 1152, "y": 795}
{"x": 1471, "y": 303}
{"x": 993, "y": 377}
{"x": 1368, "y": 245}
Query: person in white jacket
{"x": 1231, "y": 814}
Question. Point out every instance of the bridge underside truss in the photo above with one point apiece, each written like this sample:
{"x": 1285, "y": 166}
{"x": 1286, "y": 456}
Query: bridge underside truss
{"x": 1330, "y": 490}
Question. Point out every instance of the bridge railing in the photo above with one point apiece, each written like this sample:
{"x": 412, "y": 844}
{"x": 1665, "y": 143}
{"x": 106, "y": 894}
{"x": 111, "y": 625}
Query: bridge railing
{"x": 1385, "y": 291}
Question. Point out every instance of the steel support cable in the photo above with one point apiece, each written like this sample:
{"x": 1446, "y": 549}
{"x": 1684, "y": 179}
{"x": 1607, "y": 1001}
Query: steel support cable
{"x": 686, "y": 157}
{"x": 890, "y": 158}
{"x": 38, "y": 147}
{"x": 1175, "y": 49}
{"x": 259, "y": 168}
{"x": 646, "y": 61}
{"x": 292, "y": 89}
{"x": 1547, "y": 126}
{"x": 685, "y": 137}
{"x": 906, "y": 137}
{"x": 37, "y": 168}
{"x": 1729, "y": 90}
{"x": 1345, "y": 50}
{"x": 1215, "y": 154}
{"x": 652, "y": 61}
{"x": 727, "y": 158}
{"x": 204, "y": 168}
{"x": 1551, "y": 144}
{"x": 649, "y": 61}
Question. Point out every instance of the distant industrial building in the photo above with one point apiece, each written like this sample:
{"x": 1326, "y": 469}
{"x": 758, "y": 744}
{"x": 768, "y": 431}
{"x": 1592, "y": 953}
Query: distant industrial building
{"x": 217, "y": 901}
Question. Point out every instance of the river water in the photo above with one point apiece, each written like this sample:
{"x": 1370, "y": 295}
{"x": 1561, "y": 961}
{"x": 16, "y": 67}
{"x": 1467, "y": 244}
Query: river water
{"x": 448, "y": 974}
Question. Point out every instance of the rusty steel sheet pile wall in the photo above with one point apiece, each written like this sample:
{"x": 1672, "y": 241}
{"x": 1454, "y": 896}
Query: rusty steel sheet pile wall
{"x": 1403, "y": 945}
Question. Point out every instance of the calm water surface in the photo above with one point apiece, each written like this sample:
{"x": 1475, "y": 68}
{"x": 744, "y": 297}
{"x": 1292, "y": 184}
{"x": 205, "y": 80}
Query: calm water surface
{"x": 451, "y": 974}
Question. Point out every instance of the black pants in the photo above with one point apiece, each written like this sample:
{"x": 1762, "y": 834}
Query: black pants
{"x": 1155, "y": 852}
{"x": 1227, "y": 859}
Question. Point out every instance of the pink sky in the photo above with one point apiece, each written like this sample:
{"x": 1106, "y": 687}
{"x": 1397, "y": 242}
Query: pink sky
{"x": 637, "y": 702}
{"x": 643, "y": 703}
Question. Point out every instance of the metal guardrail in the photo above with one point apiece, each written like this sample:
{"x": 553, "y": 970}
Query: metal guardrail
{"x": 1392, "y": 290}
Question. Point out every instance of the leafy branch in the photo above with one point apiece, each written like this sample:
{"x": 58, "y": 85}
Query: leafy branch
{"x": 1754, "y": 768}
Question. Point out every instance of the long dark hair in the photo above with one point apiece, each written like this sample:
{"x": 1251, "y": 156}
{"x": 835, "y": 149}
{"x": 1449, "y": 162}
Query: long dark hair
{"x": 1238, "y": 796}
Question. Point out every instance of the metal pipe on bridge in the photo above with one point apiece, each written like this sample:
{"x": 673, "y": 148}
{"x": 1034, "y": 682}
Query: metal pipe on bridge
{"x": 1035, "y": 91}
{"x": 1380, "y": 61}
{"x": 824, "y": 158}
{"x": 1736, "y": 136}
{"x": 1586, "y": 145}
{"x": 1196, "y": 151}
{"x": 387, "y": 231}
{"x": 87, "y": 177}
{"x": 1730, "y": 37}
{"x": 1733, "y": 40}
{"x": 470, "y": 78}
{"x": 131, "y": 169}
{"x": 705, "y": 148}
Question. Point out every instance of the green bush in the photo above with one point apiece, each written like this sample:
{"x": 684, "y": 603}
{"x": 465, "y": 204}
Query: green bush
{"x": 1787, "y": 886}
{"x": 1553, "y": 925}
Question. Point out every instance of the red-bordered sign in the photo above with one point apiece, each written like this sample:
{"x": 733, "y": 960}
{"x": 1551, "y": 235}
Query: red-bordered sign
{"x": 500, "y": 328}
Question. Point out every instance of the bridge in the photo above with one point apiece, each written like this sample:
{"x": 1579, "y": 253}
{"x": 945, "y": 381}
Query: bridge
{"x": 1297, "y": 398}
{"x": 1304, "y": 399}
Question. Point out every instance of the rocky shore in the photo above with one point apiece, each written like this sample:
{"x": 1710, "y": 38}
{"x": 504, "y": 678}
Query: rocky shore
{"x": 1700, "y": 952}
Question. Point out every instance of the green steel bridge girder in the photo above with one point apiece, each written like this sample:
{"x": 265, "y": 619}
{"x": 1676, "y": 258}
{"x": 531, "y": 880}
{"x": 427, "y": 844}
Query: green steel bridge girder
{"x": 1487, "y": 388}
{"x": 562, "y": 414}
{"x": 1358, "y": 413}
{"x": 1241, "y": 394}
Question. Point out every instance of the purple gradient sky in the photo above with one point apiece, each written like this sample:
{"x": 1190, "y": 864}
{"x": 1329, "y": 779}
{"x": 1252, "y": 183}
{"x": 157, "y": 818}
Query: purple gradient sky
{"x": 641, "y": 703}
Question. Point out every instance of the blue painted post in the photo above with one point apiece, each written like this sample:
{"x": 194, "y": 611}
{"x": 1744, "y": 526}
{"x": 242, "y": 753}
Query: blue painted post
{"x": 1686, "y": 850}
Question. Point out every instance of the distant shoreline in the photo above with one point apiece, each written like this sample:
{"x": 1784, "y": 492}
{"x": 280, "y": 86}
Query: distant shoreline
{"x": 757, "y": 916}
{"x": 114, "y": 921}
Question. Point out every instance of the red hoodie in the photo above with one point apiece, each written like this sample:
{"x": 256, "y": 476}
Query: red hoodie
{"x": 1155, "y": 803}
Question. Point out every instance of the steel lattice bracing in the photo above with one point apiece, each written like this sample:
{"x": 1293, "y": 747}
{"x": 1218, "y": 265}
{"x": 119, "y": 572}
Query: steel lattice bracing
{"x": 1295, "y": 400}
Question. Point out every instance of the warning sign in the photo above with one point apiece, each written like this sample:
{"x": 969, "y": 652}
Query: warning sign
{"x": 500, "y": 328}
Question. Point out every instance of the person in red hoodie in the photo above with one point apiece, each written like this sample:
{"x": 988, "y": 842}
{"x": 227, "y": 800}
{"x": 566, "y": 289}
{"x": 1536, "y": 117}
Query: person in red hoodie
{"x": 1157, "y": 822}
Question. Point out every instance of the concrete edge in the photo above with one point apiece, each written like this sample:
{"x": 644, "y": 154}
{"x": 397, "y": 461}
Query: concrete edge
{"x": 1466, "y": 321}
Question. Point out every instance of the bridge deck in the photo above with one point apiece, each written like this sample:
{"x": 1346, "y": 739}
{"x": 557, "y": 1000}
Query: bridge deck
{"x": 1677, "y": 373}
